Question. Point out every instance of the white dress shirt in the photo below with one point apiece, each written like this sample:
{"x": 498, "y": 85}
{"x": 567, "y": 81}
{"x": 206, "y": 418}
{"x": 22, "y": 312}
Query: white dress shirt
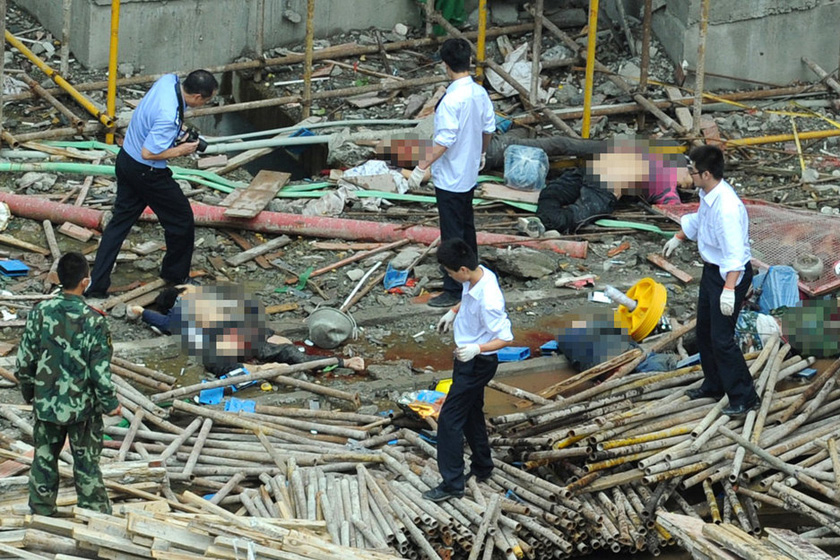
{"x": 482, "y": 316}
{"x": 465, "y": 112}
{"x": 721, "y": 228}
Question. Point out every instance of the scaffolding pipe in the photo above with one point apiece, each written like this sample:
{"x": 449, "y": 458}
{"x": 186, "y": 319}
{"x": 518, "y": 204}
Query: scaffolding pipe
{"x": 267, "y": 143}
{"x": 2, "y": 59}
{"x": 700, "y": 72}
{"x": 781, "y": 138}
{"x": 523, "y": 93}
{"x": 645, "y": 62}
{"x": 535, "y": 54}
{"x": 331, "y": 52}
{"x": 325, "y": 124}
{"x": 327, "y": 94}
{"x": 481, "y": 41}
{"x": 64, "y": 66}
{"x": 112, "y": 69}
{"x": 260, "y": 41}
{"x": 591, "y": 43}
{"x": 62, "y": 83}
{"x": 59, "y": 106}
{"x": 307, "y": 63}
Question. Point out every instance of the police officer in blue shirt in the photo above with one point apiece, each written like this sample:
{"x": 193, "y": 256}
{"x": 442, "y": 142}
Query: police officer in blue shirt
{"x": 155, "y": 134}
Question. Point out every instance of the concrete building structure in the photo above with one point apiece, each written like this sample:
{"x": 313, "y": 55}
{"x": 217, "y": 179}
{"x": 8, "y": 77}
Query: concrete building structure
{"x": 762, "y": 40}
{"x": 177, "y": 35}
{"x": 755, "y": 39}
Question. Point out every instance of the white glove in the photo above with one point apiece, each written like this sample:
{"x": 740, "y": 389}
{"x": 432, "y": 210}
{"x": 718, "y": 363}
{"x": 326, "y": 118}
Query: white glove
{"x": 671, "y": 246}
{"x": 467, "y": 353}
{"x": 727, "y": 302}
{"x": 483, "y": 161}
{"x": 445, "y": 322}
{"x": 417, "y": 176}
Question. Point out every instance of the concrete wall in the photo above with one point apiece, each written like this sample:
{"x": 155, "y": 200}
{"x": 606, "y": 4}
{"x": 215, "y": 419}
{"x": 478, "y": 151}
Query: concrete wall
{"x": 170, "y": 35}
{"x": 761, "y": 40}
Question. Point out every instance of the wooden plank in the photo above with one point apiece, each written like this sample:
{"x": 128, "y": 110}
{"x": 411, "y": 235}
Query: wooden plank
{"x": 244, "y": 244}
{"x": 254, "y": 252}
{"x": 280, "y": 308}
{"x": 683, "y": 113}
{"x": 111, "y": 542}
{"x": 794, "y": 546}
{"x": 17, "y": 553}
{"x": 181, "y": 535}
{"x": 14, "y": 242}
{"x": 497, "y": 191}
{"x": 660, "y": 261}
{"x": 250, "y": 201}
{"x": 137, "y": 292}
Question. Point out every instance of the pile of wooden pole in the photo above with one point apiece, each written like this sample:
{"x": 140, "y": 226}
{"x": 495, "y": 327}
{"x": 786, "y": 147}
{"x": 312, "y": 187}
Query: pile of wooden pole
{"x": 576, "y": 472}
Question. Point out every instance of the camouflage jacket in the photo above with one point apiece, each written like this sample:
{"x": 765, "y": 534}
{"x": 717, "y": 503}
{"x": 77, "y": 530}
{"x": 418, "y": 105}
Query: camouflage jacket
{"x": 64, "y": 361}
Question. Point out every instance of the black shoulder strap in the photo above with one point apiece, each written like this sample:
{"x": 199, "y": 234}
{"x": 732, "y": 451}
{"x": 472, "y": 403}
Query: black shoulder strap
{"x": 180, "y": 102}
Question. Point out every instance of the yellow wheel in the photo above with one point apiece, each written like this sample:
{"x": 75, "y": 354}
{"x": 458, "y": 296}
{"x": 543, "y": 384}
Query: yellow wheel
{"x": 650, "y": 297}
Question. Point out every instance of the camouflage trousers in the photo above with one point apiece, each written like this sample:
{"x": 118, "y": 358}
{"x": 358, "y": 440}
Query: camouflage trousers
{"x": 86, "y": 446}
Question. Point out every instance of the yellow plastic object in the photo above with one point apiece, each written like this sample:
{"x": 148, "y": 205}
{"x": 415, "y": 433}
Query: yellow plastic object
{"x": 443, "y": 386}
{"x": 266, "y": 386}
{"x": 650, "y": 297}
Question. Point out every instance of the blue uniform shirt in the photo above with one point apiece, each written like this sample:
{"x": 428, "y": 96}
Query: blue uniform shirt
{"x": 155, "y": 124}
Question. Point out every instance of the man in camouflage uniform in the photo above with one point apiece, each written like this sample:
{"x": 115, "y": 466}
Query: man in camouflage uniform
{"x": 64, "y": 370}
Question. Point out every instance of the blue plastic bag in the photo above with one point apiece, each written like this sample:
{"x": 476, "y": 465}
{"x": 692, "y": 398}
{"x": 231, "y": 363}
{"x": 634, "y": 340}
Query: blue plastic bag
{"x": 778, "y": 287}
{"x": 525, "y": 167}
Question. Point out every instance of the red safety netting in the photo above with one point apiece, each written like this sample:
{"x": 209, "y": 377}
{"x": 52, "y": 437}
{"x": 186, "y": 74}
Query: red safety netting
{"x": 778, "y": 234}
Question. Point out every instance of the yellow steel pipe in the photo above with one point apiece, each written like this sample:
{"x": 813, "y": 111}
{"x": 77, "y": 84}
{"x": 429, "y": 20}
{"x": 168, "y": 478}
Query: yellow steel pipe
{"x": 61, "y": 82}
{"x": 781, "y": 138}
{"x": 590, "y": 67}
{"x": 481, "y": 44}
{"x": 678, "y": 431}
{"x": 112, "y": 67}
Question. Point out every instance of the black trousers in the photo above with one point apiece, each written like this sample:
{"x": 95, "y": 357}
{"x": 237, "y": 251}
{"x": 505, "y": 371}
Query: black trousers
{"x": 457, "y": 221}
{"x": 572, "y": 200}
{"x": 462, "y": 415}
{"x": 138, "y": 186}
{"x": 724, "y": 367}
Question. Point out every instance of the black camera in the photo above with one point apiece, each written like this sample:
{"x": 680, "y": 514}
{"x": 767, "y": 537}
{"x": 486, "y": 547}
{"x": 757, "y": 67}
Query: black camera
{"x": 192, "y": 136}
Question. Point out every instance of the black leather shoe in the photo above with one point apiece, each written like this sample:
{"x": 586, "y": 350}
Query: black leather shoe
{"x": 479, "y": 477}
{"x": 440, "y": 493}
{"x": 741, "y": 409}
{"x": 95, "y": 295}
{"x": 446, "y": 299}
{"x": 695, "y": 394}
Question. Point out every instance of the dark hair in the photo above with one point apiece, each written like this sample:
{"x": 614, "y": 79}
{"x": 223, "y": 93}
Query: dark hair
{"x": 455, "y": 253}
{"x": 72, "y": 268}
{"x": 167, "y": 297}
{"x": 707, "y": 158}
{"x": 201, "y": 82}
{"x": 456, "y": 54}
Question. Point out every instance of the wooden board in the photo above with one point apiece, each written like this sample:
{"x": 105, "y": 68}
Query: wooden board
{"x": 250, "y": 201}
{"x": 497, "y": 191}
{"x": 660, "y": 261}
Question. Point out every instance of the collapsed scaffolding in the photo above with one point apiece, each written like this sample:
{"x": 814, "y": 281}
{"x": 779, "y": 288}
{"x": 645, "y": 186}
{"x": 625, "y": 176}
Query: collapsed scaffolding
{"x": 583, "y": 471}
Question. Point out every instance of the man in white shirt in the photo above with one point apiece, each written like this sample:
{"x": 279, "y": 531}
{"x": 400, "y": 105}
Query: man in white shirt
{"x": 721, "y": 228}
{"x": 464, "y": 125}
{"x": 481, "y": 328}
